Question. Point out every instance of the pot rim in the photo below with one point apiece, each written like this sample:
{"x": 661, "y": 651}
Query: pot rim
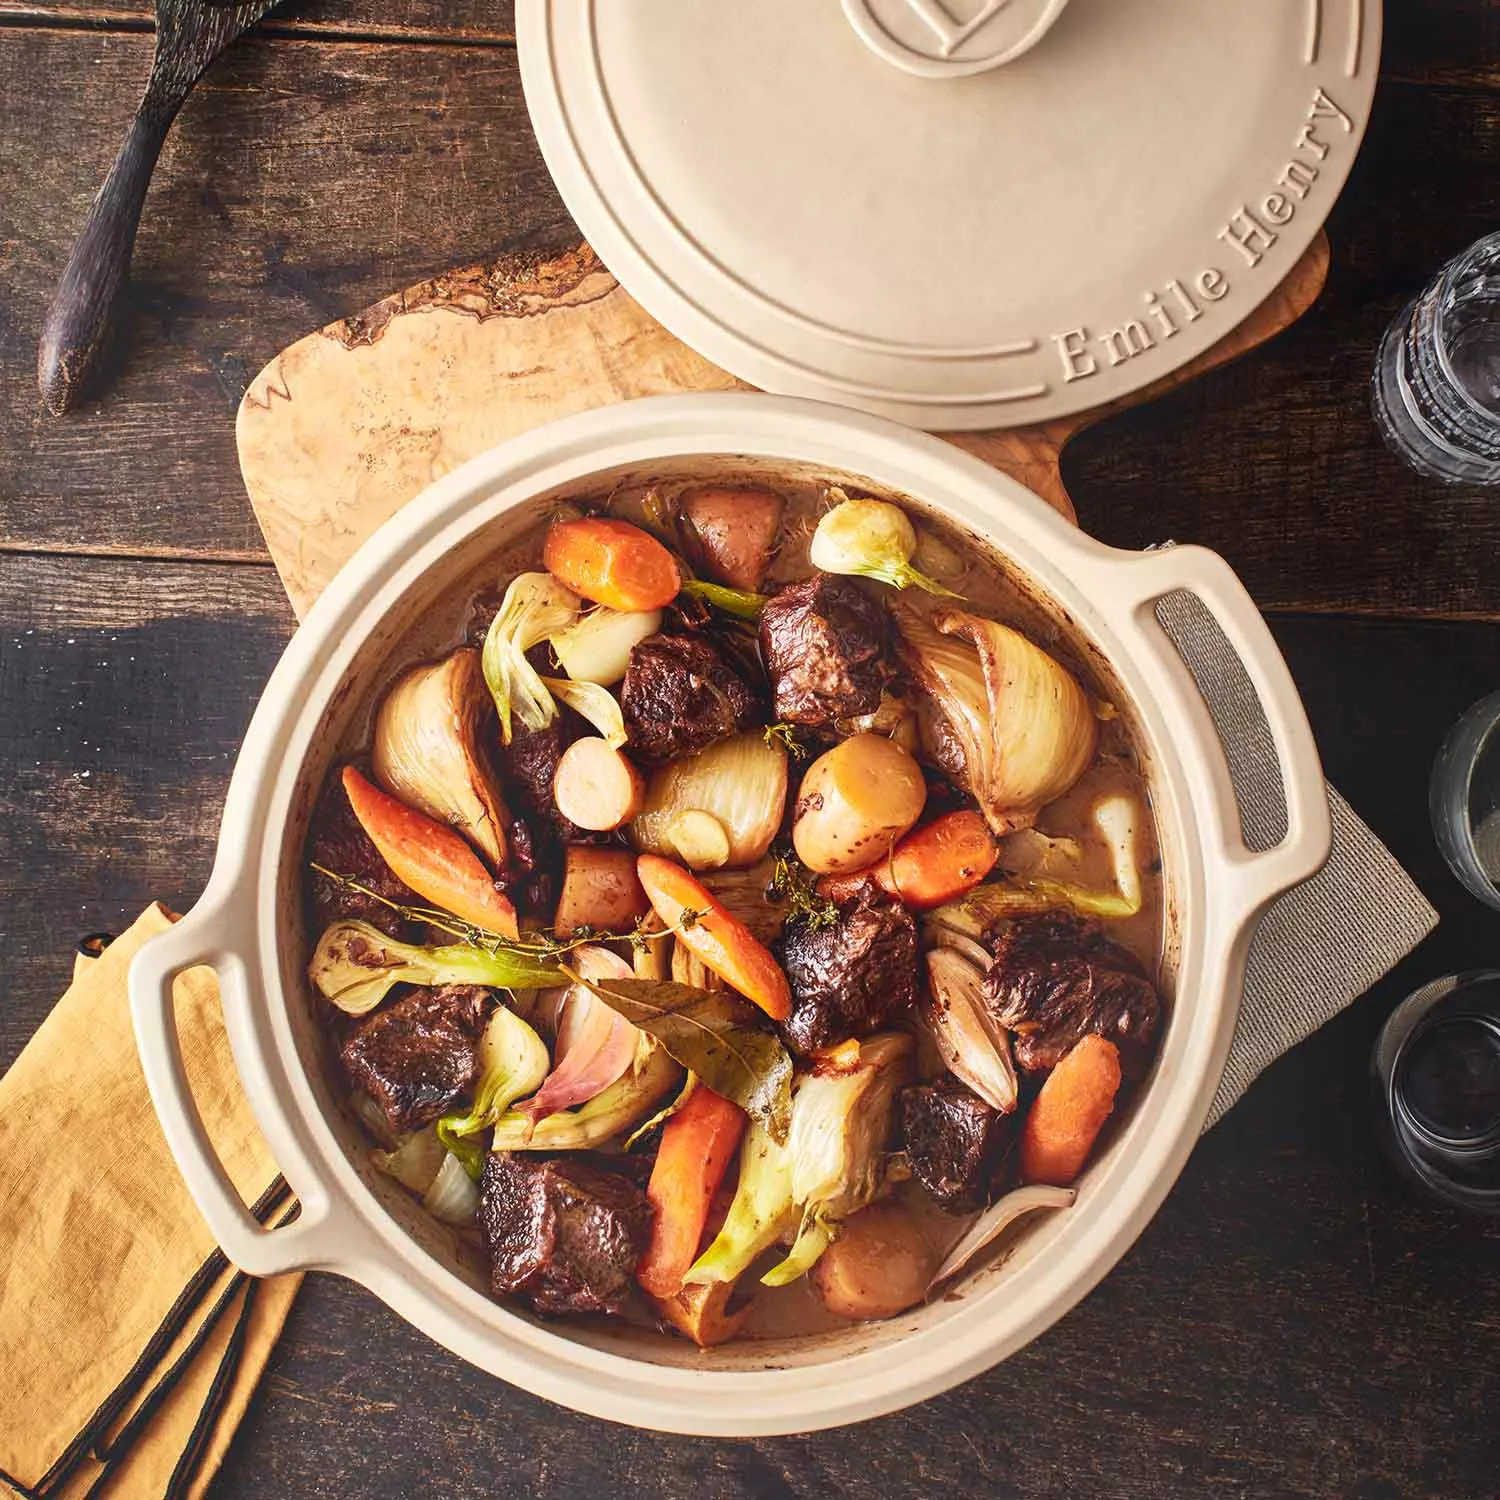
{"x": 1221, "y": 888}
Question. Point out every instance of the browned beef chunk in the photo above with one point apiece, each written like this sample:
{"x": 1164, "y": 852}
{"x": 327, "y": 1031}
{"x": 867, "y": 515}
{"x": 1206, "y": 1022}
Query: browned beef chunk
{"x": 680, "y": 695}
{"x": 850, "y": 978}
{"x": 563, "y": 1230}
{"x": 528, "y": 765}
{"x": 417, "y": 1056}
{"x": 1056, "y": 978}
{"x": 955, "y": 1142}
{"x": 337, "y": 842}
{"x": 823, "y": 641}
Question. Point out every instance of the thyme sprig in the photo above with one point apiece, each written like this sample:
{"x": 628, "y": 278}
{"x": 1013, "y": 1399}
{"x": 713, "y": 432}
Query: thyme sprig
{"x": 792, "y": 882}
{"x": 538, "y": 944}
{"x": 785, "y": 735}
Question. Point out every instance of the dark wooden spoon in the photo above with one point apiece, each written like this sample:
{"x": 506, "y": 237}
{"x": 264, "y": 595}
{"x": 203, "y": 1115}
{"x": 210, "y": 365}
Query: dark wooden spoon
{"x": 190, "y": 34}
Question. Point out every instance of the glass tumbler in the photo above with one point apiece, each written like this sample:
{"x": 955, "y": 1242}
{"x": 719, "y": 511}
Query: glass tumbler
{"x": 1436, "y": 1079}
{"x": 1436, "y": 389}
{"x": 1464, "y": 800}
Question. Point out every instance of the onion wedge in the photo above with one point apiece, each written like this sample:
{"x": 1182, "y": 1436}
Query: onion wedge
{"x": 998, "y": 1216}
{"x": 595, "y": 1045}
{"x": 973, "y": 1045}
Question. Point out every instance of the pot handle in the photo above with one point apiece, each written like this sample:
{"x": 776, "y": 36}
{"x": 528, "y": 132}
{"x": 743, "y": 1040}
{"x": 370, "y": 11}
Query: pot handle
{"x": 1256, "y": 877}
{"x": 306, "y": 1242}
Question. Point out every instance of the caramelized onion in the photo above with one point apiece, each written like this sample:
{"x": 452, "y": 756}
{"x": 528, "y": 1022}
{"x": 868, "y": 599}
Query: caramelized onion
{"x": 974, "y": 1047}
{"x": 428, "y": 751}
{"x": 595, "y": 1044}
{"x": 650, "y": 1078}
{"x": 987, "y": 1227}
{"x": 1003, "y": 717}
{"x": 740, "y": 782}
{"x": 597, "y": 646}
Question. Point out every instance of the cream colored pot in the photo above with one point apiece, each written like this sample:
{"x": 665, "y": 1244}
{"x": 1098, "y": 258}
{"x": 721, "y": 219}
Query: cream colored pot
{"x": 248, "y": 924}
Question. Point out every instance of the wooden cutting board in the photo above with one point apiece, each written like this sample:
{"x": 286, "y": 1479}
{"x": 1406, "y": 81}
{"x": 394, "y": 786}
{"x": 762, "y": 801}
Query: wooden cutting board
{"x": 344, "y": 427}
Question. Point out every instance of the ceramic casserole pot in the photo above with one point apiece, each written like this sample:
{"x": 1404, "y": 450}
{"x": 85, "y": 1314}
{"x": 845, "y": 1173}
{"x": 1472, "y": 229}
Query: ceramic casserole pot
{"x": 249, "y": 924}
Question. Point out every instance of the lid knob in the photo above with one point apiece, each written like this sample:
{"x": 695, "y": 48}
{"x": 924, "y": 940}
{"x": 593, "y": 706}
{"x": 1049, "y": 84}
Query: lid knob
{"x": 951, "y": 38}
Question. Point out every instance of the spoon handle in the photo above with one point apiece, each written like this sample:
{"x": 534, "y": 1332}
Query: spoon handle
{"x": 75, "y": 334}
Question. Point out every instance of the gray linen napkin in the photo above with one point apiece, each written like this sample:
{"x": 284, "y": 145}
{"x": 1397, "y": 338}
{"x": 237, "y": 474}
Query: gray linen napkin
{"x": 1325, "y": 943}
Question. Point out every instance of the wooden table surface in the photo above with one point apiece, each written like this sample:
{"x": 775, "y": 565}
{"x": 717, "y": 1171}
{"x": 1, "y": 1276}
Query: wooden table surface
{"x": 1292, "y": 1324}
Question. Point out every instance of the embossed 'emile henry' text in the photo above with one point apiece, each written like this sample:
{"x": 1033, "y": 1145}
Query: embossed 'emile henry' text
{"x": 1249, "y": 233}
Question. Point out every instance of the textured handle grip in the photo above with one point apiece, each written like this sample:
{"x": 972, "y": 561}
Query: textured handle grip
{"x": 1255, "y": 876}
{"x": 76, "y": 332}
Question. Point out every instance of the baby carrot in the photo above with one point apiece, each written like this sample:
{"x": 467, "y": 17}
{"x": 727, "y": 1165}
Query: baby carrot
{"x": 611, "y": 562}
{"x": 1068, "y": 1114}
{"x": 696, "y": 1148}
{"x": 931, "y": 865}
{"x": 431, "y": 858}
{"x": 719, "y": 938}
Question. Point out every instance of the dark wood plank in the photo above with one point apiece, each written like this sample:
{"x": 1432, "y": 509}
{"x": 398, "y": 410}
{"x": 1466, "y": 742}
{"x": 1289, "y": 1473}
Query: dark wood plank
{"x": 302, "y": 182}
{"x": 126, "y": 693}
{"x": 1275, "y": 460}
{"x": 1291, "y": 1325}
{"x": 1456, "y": 42}
{"x": 482, "y": 22}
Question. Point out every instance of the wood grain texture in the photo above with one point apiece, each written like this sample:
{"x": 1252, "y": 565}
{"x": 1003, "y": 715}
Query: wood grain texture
{"x": 300, "y": 183}
{"x": 424, "y": 160}
{"x": 75, "y": 334}
{"x": 1456, "y": 42}
{"x": 1291, "y": 1325}
{"x": 1275, "y": 461}
{"x": 485, "y": 22}
{"x": 340, "y": 431}
{"x": 125, "y": 698}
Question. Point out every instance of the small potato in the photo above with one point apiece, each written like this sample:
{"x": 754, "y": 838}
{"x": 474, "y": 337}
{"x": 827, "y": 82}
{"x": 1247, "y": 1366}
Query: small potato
{"x": 1069, "y": 1112}
{"x": 599, "y": 890}
{"x": 597, "y": 787}
{"x": 878, "y": 1266}
{"x": 854, "y": 803}
{"x": 736, "y": 531}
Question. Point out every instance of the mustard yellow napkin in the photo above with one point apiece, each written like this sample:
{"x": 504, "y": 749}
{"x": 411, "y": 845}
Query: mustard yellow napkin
{"x": 99, "y": 1239}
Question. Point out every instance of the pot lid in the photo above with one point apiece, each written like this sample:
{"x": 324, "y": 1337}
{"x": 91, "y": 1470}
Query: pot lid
{"x": 956, "y": 213}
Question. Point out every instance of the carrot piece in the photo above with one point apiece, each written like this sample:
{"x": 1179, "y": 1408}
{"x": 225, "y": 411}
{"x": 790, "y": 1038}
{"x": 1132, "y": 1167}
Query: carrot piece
{"x": 597, "y": 787}
{"x": 933, "y": 864}
{"x": 697, "y": 1146}
{"x": 718, "y": 937}
{"x": 612, "y": 562}
{"x": 599, "y": 891}
{"x": 705, "y": 1312}
{"x": 1069, "y": 1112}
{"x": 430, "y": 857}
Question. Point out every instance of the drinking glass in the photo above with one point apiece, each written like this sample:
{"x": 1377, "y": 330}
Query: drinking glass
{"x": 1436, "y": 389}
{"x": 1436, "y": 1078}
{"x": 1464, "y": 800}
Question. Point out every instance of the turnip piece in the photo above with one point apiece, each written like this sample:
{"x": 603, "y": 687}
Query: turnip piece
{"x": 596, "y": 786}
{"x": 599, "y": 891}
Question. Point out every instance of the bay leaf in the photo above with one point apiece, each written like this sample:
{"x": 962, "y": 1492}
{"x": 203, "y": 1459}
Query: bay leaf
{"x": 713, "y": 1034}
